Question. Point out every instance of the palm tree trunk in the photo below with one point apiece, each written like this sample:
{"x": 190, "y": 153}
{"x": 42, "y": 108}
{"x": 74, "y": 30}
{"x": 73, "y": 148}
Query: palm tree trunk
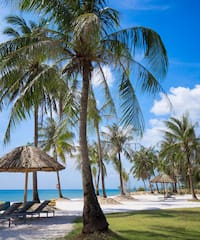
{"x": 93, "y": 217}
{"x": 156, "y": 183}
{"x": 190, "y": 175}
{"x": 59, "y": 185}
{"x": 35, "y": 184}
{"x": 120, "y": 175}
{"x": 58, "y": 176}
{"x": 101, "y": 163}
{"x": 191, "y": 184}
{"x": 97, "y": 182}
{"x": 145, "y": 187}
{"x": 150, "y": 186}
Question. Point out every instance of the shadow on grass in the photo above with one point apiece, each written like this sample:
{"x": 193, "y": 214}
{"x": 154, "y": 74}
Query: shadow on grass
{"x": 147, "y": 213}
{"x": 179, "y": 232}
{"x": 189, "y": 214}
{"x": 169, "y": 224}
{"x": 171, "y": 234}
{"x": 110, "y": 235}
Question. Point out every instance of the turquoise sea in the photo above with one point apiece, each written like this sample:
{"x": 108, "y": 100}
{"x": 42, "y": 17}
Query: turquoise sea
{"x": 17, "y": 195}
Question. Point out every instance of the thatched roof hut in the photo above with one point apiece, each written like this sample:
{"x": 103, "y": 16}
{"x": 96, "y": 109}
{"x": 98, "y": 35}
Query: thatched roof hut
{"x": 163, "y": 178}
{"x": 28, "y": 158}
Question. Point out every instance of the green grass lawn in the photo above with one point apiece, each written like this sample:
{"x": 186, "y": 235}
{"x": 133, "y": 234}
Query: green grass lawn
{"x": 173, "y": 224}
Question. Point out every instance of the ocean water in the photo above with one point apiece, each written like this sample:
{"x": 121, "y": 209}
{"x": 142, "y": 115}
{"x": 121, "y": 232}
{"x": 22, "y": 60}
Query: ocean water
{"x": 44, "y": 194}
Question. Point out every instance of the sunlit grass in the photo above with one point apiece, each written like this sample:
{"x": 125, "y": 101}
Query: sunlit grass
{"x": 173, "y": 224}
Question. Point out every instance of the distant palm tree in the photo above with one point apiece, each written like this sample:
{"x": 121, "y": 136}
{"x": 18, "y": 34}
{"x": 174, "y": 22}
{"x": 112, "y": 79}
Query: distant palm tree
{"x": 143, "y": 164}
{"x": 26, "y": 81}
{"x": 171, "y": 162}
{"x": 118, "y": 141}
{"x": 94, "y": 118}
{"x": 95, "y": 164}
{"x": 56, "y": 137}
{"x": 88, "y": 35}
{"x": 184, "y": 144}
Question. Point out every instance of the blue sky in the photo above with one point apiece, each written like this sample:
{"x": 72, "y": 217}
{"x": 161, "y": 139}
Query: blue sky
{"x": 177, "y": 22}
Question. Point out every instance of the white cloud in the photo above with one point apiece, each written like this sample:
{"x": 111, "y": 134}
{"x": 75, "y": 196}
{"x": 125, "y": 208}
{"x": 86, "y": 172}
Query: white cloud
{"x": 183, "y": 100}
{"x": 153, "y": 135}
{"x": 162, "y": 106}
{"x": 97, "y": 76}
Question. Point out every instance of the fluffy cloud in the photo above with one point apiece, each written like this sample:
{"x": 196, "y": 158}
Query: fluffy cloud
{"x": 97, "y": 76}
{"x": 153, "y": 135}
{"x": 183, "y": 100}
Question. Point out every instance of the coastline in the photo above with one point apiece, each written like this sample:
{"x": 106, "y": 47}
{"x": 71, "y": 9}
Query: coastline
{"x": 16, "y": 195}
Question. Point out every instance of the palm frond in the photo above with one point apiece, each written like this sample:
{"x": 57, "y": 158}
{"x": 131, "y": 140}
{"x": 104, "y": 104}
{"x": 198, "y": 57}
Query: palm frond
{"x": 149, "y": 42}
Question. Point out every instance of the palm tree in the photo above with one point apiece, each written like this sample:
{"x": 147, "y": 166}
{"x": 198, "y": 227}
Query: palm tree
{"x": 26, "y": 81}
{"x": 94, "y": 117}
{"x": 94, "y": 162}
{"x": 118, "y": 141}
{"x": 95, "y": 165}
{"x": 56, "y": 137}
{"x": 143, "y": 164}
{"x": 171, "y": 162}
{"x": 184, "y": 144}
{"x": 125, "y": 177}
{"x": 88, "y": 35}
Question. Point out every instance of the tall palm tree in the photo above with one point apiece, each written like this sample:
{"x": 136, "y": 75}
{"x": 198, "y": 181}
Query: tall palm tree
{"x": 88, "y": 35}
{"x": 56, "y": 137}
{"x": 26, "y": 81}
{"x": 118, "y": 141}
{"x": 184, "y": 144}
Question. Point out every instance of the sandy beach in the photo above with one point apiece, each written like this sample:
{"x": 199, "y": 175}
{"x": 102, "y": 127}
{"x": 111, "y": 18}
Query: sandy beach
{"x": 67, "y": 210}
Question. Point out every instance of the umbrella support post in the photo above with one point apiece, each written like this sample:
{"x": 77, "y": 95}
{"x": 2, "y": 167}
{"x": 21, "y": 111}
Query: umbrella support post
{"x": 26, "y": 187}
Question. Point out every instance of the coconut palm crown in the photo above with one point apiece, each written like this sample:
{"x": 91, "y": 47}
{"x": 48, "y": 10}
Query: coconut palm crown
{"x": 86, "y": 34}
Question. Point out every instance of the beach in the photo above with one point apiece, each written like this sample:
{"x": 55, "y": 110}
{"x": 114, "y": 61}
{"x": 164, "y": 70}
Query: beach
{"x": 68, "y": 210}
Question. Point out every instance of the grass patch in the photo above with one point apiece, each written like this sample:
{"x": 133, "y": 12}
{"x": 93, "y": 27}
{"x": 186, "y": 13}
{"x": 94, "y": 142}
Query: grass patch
{"x": 173, "y": 224}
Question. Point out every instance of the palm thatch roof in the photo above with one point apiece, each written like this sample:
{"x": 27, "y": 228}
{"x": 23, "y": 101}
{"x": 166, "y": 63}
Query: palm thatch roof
{"x": 163, "y": 178}
{"x": 28, "y": 159}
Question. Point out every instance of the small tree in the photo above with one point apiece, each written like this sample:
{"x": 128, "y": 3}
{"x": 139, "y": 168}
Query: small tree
{"x": 184, "y": 144}
{"x": 54, "y": 136}
{"x": 118, "y": 141}
{"x": 143, "y": 165}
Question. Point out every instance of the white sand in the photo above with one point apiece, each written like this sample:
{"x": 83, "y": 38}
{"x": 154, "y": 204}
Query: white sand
{"x": 68, "y": 210}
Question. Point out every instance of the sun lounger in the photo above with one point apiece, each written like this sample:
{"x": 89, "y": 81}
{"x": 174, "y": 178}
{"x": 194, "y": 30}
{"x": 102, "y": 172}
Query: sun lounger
{"x": 30, "y": 210}
{"x": 11, "y": 209}
{"x": 16, "y": 210}
{"x": 7, "y": 214}
{"x": 42, "y": 208}
{"x": 4, "y": 206}
{"x": 169, "y": 196}
{"x": 21, "y": 212}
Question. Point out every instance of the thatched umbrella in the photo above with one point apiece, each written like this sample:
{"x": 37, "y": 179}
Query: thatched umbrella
{"x": 28, "y": 159}
{"x": 163, "y": 178}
